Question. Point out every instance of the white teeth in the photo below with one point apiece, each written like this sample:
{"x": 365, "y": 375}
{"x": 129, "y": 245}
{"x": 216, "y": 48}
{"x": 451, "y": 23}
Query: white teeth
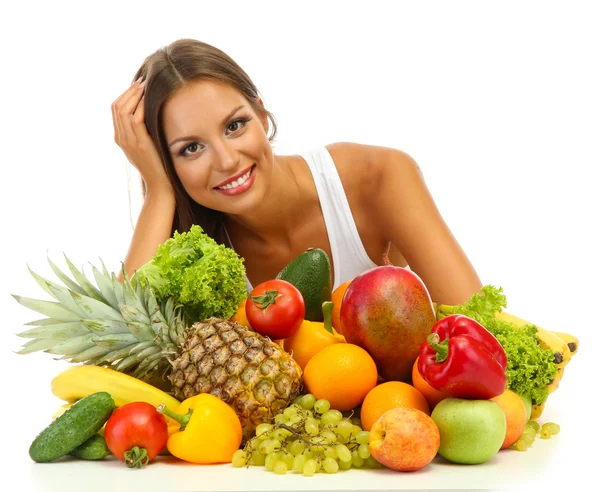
{"x": 237, "y": 183}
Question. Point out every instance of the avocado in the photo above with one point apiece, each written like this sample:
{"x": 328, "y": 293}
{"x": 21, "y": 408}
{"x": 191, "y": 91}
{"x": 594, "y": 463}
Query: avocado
{"x": 310, "y": 272}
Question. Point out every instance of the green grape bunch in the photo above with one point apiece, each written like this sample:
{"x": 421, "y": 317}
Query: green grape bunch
{"x": 308, "y": 437}
{"x": 547, "y": 430}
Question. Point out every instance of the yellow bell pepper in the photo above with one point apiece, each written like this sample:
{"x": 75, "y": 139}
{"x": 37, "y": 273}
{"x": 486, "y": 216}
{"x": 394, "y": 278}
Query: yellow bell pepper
{"x": 312, "y": 337}
{"x": 209, "y": 430}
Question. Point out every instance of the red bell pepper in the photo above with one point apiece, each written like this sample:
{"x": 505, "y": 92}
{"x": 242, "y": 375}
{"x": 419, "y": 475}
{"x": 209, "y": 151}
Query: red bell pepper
{"x": 462, "y": 359}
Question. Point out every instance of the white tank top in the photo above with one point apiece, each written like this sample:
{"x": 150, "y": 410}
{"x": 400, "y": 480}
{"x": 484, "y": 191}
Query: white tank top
{"x": 349, "y": 257}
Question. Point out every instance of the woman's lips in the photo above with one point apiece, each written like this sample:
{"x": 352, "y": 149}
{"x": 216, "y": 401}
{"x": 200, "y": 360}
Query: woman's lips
{"x": 245, "y": 186}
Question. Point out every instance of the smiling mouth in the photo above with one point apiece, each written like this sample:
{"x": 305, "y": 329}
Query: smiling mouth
{"x": 236, "y": 181}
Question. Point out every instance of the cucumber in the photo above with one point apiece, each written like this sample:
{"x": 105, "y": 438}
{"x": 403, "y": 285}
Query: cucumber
{"x": 72, "y": 428}
{"x": 94, "y": 448}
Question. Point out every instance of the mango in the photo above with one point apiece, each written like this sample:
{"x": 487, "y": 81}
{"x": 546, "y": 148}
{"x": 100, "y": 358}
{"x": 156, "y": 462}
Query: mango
{"x": 388, "y": 311}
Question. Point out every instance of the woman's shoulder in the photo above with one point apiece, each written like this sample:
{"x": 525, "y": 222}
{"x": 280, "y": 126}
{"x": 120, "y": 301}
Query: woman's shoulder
{"x": 365, "y": 165}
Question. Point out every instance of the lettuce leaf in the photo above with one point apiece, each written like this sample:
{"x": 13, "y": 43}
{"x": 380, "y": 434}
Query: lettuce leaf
{"x": 206, "y": 278}
{"x": 530, "y": 367}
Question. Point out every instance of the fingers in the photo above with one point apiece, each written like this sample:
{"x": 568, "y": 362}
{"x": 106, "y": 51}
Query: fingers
{"x": 137, "y": 121}
{"x": 122, "y": 111}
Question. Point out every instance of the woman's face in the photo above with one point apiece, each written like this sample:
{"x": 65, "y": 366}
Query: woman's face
{"x": 219, "y": 146}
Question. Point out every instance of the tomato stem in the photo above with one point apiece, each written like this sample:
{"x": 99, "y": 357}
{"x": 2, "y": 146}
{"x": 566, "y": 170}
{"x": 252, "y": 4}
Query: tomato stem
{"x": 136, "y": 457}
{"x": 264, "y": 301}
{"x": 182, "y": 419}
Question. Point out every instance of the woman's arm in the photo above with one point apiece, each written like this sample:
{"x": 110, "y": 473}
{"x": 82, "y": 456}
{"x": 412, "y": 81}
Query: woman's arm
{"x": 410, "y": 219}
{"x": 155, "y": 221}
{"x": 152, "y": 228}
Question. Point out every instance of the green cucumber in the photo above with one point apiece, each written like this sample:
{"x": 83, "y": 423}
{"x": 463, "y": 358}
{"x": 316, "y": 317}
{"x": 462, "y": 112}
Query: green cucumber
{"x": 94, "y": 448}
{"x": 72, "y": 428}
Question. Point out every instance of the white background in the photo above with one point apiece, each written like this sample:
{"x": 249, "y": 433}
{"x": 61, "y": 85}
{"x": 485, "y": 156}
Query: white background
{"x": 498, "y": 102}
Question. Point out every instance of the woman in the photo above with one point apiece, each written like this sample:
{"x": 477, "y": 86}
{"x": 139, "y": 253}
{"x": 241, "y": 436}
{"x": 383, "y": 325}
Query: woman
{"x": 195, "y": 127}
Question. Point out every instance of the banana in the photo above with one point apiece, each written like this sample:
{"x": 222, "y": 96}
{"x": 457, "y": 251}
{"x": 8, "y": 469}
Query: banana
{"x": 553, "y": 386}
{"x": 547, "y": 339}
{"x": 536, "y": 411}
{"x": 77, "y": 382}
{"x": 571, "y": 341}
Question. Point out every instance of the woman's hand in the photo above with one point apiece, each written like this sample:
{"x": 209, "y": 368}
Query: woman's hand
{"x": 135, "y": 141}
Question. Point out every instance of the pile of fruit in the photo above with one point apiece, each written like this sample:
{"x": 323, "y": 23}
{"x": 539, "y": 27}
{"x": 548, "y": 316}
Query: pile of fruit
{"x": 292, "y": 377}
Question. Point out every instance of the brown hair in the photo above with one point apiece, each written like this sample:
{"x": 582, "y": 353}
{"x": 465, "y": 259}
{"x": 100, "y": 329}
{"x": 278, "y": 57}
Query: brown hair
{"x": 167, "y": 70}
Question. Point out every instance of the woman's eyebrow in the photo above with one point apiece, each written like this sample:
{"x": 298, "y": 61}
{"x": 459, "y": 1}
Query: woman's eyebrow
{"x": 191, "y": 137}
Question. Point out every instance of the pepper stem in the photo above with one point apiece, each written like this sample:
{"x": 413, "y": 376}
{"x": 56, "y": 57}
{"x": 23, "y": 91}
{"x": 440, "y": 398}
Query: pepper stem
{"x": 441, "y": 348}
{"x": 136, "y": 457}
{"x": 264, "y": 301}
{"x": 182, "y": 419}
{"x": 327, "y": 308}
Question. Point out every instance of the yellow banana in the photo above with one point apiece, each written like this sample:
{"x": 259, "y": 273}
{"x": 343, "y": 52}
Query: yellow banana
{"x": 553, "y": 386}
{"x": 571, "y": 341}
{"x": 76, "y": 382}
{"x": 547, "y": 339}
{"x": 537, "y": 410}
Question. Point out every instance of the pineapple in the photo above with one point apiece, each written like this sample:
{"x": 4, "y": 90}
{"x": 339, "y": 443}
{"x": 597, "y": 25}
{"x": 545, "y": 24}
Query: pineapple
{"x": 124, "y": 327}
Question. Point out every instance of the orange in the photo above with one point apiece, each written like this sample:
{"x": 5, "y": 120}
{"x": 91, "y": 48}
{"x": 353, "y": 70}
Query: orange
{"x": 336, "y": 297}
{"x": 240, "y": 315}
{"x": 385, "y": 396}
{"x": 342, "y": 373}
{"x": 311, "y": 338}
{"x": 432, "y": 395}
{"x": 516, "y": 416}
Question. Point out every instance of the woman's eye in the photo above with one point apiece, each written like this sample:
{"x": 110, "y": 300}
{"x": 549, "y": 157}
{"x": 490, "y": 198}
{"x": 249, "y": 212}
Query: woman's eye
{"x": 190, "y": 149}
{"x": 237, "y": 124}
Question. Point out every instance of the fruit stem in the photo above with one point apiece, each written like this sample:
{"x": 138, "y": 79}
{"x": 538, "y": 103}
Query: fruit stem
{"x": 441, "y": 349}
{"x": 327, "y": 308}
{"x": 264, "y": 301}
{"x": 136, "y": 457}
{"x": 182, "y": 419}
{"x": 386, "y": 259}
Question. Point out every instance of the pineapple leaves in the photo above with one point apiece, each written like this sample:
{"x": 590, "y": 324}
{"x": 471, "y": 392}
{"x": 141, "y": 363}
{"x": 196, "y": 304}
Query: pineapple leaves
{"x": 117, "y": 341}
{"x": 36, "y": 345}
{"x": 105, "y": 284}
{"x": 85, "y": 284}
{"x": 94, "y": 308}
{"x": 91, "y": 353}
{"x": 73, "y": 346}
{"x": 61, "y": 294}
{"x": 57, "y": 331}
{"x": 119, "y": 324}
{"x": 48, "y": 308}
{"x": 66, "y": 280}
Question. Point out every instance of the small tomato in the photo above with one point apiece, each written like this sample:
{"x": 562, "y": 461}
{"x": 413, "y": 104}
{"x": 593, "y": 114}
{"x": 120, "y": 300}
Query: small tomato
{"x": 275, "y": 309}
{"x": 136, "y": 433}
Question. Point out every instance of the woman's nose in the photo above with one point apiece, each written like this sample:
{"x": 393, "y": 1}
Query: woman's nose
{"x": 225, "y": 157}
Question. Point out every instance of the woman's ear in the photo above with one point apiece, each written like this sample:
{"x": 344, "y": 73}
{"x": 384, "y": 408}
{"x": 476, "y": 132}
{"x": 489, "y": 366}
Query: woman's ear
{"x": 264, "y": 119}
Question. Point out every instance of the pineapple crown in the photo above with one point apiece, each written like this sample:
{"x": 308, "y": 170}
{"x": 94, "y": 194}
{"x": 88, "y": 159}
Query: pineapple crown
{"x": 114, "y": 324}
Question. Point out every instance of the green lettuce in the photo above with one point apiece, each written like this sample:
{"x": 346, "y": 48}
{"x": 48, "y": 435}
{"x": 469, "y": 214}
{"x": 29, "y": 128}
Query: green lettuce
{"x": 206, "y": 278}
{"x": 529, "y": 367}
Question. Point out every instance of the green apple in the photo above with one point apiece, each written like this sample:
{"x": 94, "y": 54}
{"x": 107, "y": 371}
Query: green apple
{"x": 528, "y": 405}
{"x": 471, "y": 431}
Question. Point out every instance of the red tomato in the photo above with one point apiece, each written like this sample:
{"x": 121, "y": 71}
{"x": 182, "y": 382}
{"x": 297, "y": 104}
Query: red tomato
{"x": 275, "y": 309}
{"x": 136, "y": 433}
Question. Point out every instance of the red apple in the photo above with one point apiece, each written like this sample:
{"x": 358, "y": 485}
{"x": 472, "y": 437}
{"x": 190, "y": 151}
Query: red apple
{"x": 404, "y": 439}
